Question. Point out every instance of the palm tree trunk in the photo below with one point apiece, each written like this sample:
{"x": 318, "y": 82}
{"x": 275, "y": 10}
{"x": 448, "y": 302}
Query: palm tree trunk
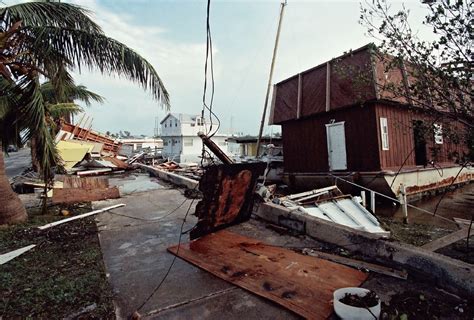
{"x": 34, "y": 157}
{"x": 12, "y": 209}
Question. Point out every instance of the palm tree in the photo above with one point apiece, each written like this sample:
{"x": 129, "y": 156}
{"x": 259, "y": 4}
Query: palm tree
{"x": 40, "y": 40}
{"x": 59, "y": 105}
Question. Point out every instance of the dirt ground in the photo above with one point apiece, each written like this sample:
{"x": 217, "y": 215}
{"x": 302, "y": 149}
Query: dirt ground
{"x": 62, "y": 277}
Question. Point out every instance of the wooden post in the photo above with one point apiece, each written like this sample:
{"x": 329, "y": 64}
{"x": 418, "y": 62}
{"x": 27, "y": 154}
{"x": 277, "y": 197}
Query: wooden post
{"x": 372, "y": 201}
{"x": 328, "y": 86}
{"x": 269, "y": 85}
{"x": 403, "y": 202}
{"x": 215, "y": 149}
{"x": 364, "y": 198}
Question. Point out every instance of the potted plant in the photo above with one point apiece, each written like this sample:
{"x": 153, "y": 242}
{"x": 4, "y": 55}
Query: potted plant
{"x": 356, "y": 303}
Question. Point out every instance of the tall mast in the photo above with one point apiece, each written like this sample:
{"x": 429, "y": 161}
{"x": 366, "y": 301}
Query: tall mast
{"x": 262, "y": 123}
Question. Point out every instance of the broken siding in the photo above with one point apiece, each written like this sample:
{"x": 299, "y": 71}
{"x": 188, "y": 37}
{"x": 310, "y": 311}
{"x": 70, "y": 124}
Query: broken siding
{"x": 305, "y": 141}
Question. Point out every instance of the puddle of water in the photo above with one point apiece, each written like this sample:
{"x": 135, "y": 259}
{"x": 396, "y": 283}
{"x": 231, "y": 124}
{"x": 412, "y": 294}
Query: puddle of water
{"x": 135, "y": 183}
{"x": 455, "y": 204}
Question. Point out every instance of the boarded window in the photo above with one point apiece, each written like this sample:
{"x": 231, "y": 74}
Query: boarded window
{"x": 188, "y": 142}
{"x": 384, "y": 133}
{"x": 438, "y": 133}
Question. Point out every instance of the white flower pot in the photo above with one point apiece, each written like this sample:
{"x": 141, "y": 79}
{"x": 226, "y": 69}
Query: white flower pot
{"x": 345, "y": 311}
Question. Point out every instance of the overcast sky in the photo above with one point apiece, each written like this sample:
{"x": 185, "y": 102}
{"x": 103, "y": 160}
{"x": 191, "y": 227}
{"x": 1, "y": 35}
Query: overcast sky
{"x": 172, "y": 36}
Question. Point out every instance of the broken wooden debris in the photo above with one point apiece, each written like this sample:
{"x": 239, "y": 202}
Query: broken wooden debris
{"x": 84, "y": 195}
{"x": 462, "y": 222}
{"x": 446, "y": 240}
{"x": 332, "y": 205}
{"x": 85, "y": 182}
{"x": 94, "y": 172}
{"x": 84, "y": 189}
{"x": 215, "y": 149}
{"x": 400, "y": 274}
{"x": 4, "y": 258}
{"x": 53, "y": 224}
{"x": 227, "y": 196}
{"x": 297, "y": 282}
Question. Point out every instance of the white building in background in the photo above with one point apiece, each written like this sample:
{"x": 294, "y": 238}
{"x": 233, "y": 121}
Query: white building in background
{"x": 131, "y": 146}
{"x": 180, "y": 140}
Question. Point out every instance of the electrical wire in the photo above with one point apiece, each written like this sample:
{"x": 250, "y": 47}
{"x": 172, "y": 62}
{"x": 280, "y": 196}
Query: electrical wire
{"x": 152, "y": 219}
{"x": 209, "y": 66}
{"x": 172, "y": 262}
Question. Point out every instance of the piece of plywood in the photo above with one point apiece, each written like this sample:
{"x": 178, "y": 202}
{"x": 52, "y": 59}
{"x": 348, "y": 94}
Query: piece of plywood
{"x": 300, "y": 283}
{"x": 84, "y": 195}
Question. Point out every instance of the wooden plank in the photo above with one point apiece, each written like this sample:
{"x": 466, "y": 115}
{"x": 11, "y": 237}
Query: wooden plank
{"x": 4, "y": 258}
{"x": 300, "y": 283}
{"x": 94, "y": 172}
{"x": 52, "y": 224}
{"x": 401, "y": 274}
{"x": 74, "y": 195}
{"x": 85, "y": 182}
{"x": 446, "y": 240}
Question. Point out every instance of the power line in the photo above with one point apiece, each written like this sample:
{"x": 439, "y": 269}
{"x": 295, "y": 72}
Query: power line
{"x": 209, "y": 66}
{"x": 172, "y": 262}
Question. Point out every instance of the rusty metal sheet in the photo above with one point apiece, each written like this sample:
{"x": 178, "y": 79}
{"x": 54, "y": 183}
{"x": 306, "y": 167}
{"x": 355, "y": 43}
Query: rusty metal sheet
{"x": 299, "y": 283}
{"x": 227, "y": 196}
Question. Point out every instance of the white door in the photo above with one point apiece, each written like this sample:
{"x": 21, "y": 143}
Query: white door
{"x": 336, "y": 140}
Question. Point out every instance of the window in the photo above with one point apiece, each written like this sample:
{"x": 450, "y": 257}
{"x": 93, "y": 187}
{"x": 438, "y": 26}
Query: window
{"x": 176, "y": 123}
{"x": 438, "y": 133}
{"x": 188, "y": 142}
{"x": 165, "y": 142}
{"x": 199, "y": 122}
{"x": 166, "y": 125}
{"x": 171, "y": 123}
{"x": 384, "y": 133}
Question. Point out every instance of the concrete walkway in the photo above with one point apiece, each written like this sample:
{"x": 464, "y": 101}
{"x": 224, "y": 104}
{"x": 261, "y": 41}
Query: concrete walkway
{"x": 136, "y": 260}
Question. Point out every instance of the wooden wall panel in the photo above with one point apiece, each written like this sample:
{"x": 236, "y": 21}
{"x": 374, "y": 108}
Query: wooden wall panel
{"x": 314, "y": 91}
{"x": 401, "y": 138}
{"x": 351, "y": 80}
{"x": 305, "y": 141}
{"x": 286, "y": 101}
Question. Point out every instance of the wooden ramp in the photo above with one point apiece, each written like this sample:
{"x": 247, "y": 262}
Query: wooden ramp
{"x": 299, "y": 283}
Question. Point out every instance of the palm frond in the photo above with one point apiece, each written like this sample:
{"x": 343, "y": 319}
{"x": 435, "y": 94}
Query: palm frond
{"x": 59, "y": 14}
{"x": 101, "y": 52}
{"x": 72, "y": 92}
{"x": 59, "y": 110}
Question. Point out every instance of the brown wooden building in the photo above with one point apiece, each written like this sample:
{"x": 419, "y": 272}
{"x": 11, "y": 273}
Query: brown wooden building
{"x": 337, "y": 119}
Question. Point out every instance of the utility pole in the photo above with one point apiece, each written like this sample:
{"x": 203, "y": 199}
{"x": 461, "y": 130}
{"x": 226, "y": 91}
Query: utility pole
{"x": 269, "y": 85}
